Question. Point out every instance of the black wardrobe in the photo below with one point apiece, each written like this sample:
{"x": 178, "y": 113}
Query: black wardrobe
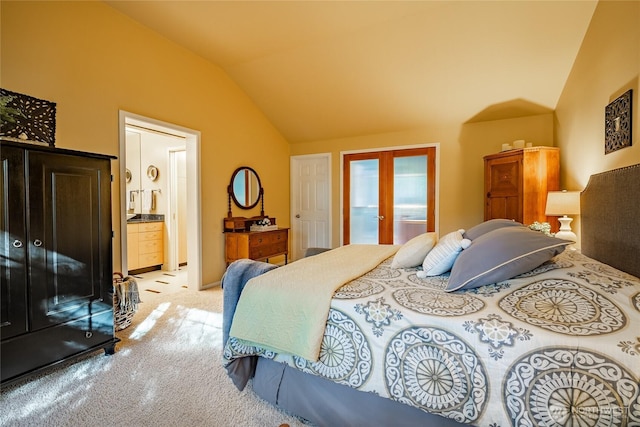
{"x": 55, "y": 257}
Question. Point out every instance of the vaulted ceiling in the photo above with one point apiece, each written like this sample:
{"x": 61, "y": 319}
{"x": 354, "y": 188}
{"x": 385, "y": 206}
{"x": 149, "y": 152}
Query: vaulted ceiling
{"x": 332, "y": 69}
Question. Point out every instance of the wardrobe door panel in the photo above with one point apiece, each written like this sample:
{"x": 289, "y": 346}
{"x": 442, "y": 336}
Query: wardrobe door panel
{"x": 517, "y": 181}
{"x": 13, "y": 253}
{"x": 64, "y": 240}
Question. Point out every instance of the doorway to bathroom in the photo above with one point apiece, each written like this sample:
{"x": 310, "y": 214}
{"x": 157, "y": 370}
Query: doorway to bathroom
{"x": 160, "y": 181}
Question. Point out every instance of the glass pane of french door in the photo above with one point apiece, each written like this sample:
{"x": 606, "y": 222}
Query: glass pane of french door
{"x": 409, "y": 197}
{"x": 388, "y": 196}
{"x": 364, "y": 201}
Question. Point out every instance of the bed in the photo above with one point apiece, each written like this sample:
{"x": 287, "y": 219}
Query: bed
{"x": 559, "y": 344}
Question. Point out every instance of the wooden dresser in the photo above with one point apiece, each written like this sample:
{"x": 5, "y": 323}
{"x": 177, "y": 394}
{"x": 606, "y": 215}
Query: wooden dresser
{"x": 257, "y": 245}
{"x": 516, "y": 183}
{"x": 145, "y": 246}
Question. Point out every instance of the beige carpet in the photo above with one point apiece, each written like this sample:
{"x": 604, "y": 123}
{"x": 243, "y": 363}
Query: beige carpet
{"x": 166, "y": 372}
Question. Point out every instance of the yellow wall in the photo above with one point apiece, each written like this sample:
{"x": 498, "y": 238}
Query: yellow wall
{"x": 93, "y": 61}
{"x": 462, "y": 147}
{"x": 607, "y": 65}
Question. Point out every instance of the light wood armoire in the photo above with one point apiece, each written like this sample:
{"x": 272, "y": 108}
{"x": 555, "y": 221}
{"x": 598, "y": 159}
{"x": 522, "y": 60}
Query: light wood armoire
{"x": 516, "y": 183}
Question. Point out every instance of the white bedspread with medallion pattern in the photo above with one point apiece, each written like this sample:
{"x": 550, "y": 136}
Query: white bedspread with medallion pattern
{"x": 559, "y": 345}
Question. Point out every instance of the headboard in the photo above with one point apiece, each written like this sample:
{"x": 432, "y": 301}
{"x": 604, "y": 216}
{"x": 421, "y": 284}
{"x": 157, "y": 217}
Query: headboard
{"x": 610, "y": 218}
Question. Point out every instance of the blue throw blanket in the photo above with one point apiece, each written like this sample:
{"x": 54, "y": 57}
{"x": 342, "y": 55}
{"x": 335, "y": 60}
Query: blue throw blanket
{"x": 235, "y": 278}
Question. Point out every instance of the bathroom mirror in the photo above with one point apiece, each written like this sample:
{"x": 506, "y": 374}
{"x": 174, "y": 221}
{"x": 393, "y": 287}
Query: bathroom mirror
{"x": 133, "y": 174}
{"x": 245, "y": 188}
{"x": 146, "y": 169}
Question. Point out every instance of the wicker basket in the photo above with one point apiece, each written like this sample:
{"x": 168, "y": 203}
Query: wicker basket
{"x": 122, "y": 317}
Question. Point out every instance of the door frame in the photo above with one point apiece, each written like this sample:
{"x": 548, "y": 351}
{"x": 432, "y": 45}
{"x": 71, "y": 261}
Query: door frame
{"x": 294, "y": 187}
{"x": 172, "y": 211}
{"x": 435, "y": 145}
{"x": 194, "y": 209}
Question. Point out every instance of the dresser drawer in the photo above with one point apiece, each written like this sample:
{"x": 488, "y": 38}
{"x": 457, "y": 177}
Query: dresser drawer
{"x": 150, "y": 259}
{"x": 267, "y": 237}
{"x": 149, "y": 246}
{"x": 150, "y": 235}
{"x": 258, "y": 245}
{"x": 149, "y": 226}
{"x": 268, "y": 250}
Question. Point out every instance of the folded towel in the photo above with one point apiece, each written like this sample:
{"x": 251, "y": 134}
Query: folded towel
{"x": 128, "y": 296}
{"x": 132, "y": 201}
{"x": 147, "y": 200}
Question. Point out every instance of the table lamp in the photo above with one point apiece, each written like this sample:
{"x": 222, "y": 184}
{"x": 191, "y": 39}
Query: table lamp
{"x": 564, "y": 203}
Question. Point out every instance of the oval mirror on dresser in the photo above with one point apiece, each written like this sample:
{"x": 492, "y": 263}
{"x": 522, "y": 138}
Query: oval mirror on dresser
{"x": 245, "y": 188}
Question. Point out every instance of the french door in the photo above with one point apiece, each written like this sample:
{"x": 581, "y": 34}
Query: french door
{"x": 388, "y": 196}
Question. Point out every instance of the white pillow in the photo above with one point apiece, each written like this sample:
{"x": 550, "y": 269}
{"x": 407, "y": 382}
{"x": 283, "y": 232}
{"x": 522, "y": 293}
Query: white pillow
{"x": 441, "y": 258}
{"x": 413, "y": 252}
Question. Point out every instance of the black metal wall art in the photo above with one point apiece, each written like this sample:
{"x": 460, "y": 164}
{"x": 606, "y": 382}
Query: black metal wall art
{"x": 25, "y": 118}
{"x": 617, "y": 122}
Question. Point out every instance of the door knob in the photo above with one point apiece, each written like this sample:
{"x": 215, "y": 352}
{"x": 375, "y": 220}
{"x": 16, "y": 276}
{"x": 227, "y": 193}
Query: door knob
{"x": 297, "y": 215}
{"x": 380, "y": 217}
{"x": 37, "y": 243}
{"x": 17, "y": 243}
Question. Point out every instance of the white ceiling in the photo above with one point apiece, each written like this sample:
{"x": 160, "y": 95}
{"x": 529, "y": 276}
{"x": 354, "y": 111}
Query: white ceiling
{"x": 332, "y": 69}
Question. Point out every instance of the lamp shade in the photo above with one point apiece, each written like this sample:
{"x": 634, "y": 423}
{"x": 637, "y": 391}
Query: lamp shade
{"x": 563, "y": 203}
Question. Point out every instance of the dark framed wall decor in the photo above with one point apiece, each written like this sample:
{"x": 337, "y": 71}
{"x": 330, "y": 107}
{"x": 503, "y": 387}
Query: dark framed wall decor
{"x": 28, "y": 119}
{"x": 617, "y": 123}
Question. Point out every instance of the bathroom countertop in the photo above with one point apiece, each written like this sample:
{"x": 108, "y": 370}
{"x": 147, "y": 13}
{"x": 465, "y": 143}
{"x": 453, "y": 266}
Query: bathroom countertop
{"x": 146, "y": 218}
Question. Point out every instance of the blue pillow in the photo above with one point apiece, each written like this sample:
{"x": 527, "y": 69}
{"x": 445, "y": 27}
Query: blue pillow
{"x": 490, "y": 225}
{"x": 440, "y": 259}
{"x": 502, "y": 254}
